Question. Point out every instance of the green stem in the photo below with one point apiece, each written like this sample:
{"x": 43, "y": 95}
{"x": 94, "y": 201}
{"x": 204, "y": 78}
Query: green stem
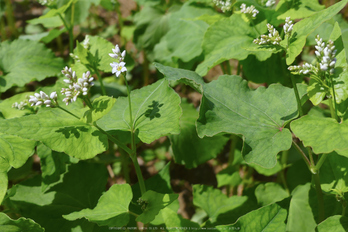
{"x": 223, "y": 68}
{"x": 125, "y": 165}
{"x": 68, "y": 112}
{"x": 120, "y": 21}
{"x": 334, "y": 96}
{"x": 133, "y": 155}
{"x": 88, "y": 102}
{"x": 71, "y": 29}
{"x": 232, "y": 149}
{"x": 321, "y": 161}
{"x": 320, "y": 196}
{"x": 283, "y": 161}
{"x": 344, "y": 206}
{"x": 100, "y": 81}
{"x": 114, "y": 140}
{"x": 332, "y": 109}
{"x": 71, "y": 36}
{"x": 2, "y": 29}
{"x": 228, "y": 67}
{"x": 146, "y": 70}
{"x": 10, "y": 18}
{"x": 310, "y": 153}
{"x": 308, "y": 163}
{"x": 297, "y": 95}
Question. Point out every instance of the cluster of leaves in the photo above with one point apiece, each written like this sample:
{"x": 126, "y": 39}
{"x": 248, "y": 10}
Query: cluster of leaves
{"x": 258, "y": 126}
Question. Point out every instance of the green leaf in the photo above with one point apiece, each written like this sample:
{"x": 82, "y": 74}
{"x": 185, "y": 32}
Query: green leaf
{"x": 300, "y": 217}
{"x": 229, "y": 106}
{"x": 98, "y": 52}
{"x": 272, "y": 70}
{"x": 23, "y": 61}
{"x": 80, "y": 188}
{"x": 155, "y": 110}
{"x": 333, "y": 174}
{"x": 186, "y": 77}
{"x": 151, "y": 24}
{"x": 188, "y": 142}
{"x": 270, "y": 193}
{"x": 101, "y": 106}
{"x": 6, "y": 106}
{"x": 22, "y": 224}
{"x": 53, "y": 165}
{"x": 267, "y": 219}
{"x": 299, "y": 9}
{"x": 154, "y": 203}
{"x": 111, "y": 210}
{"x": 59, "y": 131}
{"x": 174, "y": 221}
{"x": 306, "y": 26}
{"x": 182, "y": 23}
{"x": 80, "y": 11}
{"x": 335, "y": 223}
{"x": 15, "y": 152}
{"x": 324, "y": 135}
{"x": 230, "y": 38}
{"x": 228, "y": 176}
{"x": 220, "y": 209}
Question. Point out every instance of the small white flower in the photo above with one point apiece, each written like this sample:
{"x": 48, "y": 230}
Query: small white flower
{"x": 249, "y": 11}
{"x": 118, "y": 68}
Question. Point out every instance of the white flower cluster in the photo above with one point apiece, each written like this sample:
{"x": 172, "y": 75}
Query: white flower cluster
{"x": 288, "y": 26}
{"x": 250, "y": 11}
{"x": 20, "y": 106}
{"x": 225, "y": 5}
{"x": 85, "y": 42}
{"x": 325, "y": 54}
{"x": 268, "y": 3}
{"x": 46, "y": 2}
{"x": 42, "y": 98}
{"x": 119, "y": 66}
{"x": 326, "y": 59}
{"x": 272, "y": 38}
{"x": 304, "y": 69}
{"x": 76, "y": 86}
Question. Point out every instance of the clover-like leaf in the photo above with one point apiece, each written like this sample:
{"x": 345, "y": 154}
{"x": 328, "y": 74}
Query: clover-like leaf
{"x": 23, "y": 61}
{"x": 21, "y": 224}
{"x": 306, "y": 26}
{"x": 229, "y": 106}
{"x": 155, "y": 110}
{"x": 324, "y": 135}
{"x": 59, "y": 131}
{"x": 112, "y": 207}
{"x": 153, "y": 202}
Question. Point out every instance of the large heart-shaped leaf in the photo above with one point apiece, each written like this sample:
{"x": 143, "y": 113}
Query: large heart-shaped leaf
{"x": 229, "y": 106}
{"x": 111, "y": 210}
{"x": 299, "y": 10}
{"x": 23, "y": 61}
{"x": 155, "y": 110}
{"x": 336, "y": 223}
{"x": 59, "y": 131}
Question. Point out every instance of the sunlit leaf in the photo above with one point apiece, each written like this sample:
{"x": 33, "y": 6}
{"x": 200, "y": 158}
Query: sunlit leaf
{"x": 155, "y": 111}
